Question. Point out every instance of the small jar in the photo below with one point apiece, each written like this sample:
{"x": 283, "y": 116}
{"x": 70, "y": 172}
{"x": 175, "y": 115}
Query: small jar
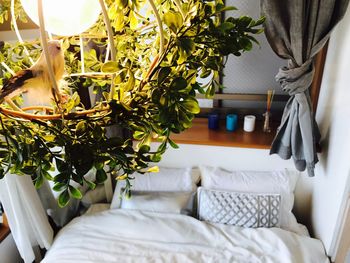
{"x": 231, "y": 122}
{"x": 249, "y": 123}
{"x": 213, "y": 121}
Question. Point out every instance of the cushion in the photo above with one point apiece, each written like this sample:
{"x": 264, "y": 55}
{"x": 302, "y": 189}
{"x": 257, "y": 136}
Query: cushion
{"x": 166, "y": 180}
{"x": 259, "y": 182}
{"x": 239, "y": 209}
{"x": 163, "y": 202}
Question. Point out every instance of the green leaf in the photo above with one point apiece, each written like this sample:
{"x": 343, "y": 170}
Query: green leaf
{"x": 210, "y": 91}
{"x": 29, "y": 170}
{"x": 144, "y": 149}
{"x": 101, "y": 176}
{"x": 61, "y": 165}
{"x": 154, "y": 169}
{"x": 81, "y": 128}
{"x": 75, "y": 192}
{"x": 173, "y": 20}
{"x": 39, "y": 180}
{"x": 46, "y": 175}
{"x": 173, "y": 144}
{"x": 91, "y": 185}
{"x": 260, "y": 21}
{"x": 138, "y": 135}
{"x": 226, "y": 26}
{"x": 244, "y": 21}
{"x": 63, "y": 198}
{"x": 130, "y": 84}
{"x": 187, "y": 45}
{"x": 205, "y": 74}
{"x": 246, "y": 44}
{"x": 191, "y": 105}
{"x": 99, "y": 165}
{"x": 58, "y": 187}
{"x": 179, "y": 83}
{"x": 163, "y": 74}
{"x": 77, "y": 178}
{"x": 61, "y": 177}
{"x": 121, "y": 3}
{"x": 221, "y": 8}
{"x": 133, "y": 20}
{"x": 156, "y": 157}
{"x": 110, "y": 67}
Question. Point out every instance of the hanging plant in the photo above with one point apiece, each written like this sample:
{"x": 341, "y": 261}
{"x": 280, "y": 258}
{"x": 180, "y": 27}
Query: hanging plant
{"x": 152, "y": 93}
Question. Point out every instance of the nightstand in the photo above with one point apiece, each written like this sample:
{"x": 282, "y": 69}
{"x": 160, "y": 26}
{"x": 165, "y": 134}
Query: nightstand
{"x": 4, "y": 229}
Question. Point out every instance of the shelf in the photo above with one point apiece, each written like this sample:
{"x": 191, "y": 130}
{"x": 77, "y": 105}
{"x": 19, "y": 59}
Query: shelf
{"x": 4, "y": 230}
{"x": 201, "y": 135}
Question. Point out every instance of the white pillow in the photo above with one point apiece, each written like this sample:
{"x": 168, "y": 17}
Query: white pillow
{"x": 273, "y": 182}
{"x": 161, "y": 202}
{"x": 239, "y": 209}
{"x": 166, "y": 180}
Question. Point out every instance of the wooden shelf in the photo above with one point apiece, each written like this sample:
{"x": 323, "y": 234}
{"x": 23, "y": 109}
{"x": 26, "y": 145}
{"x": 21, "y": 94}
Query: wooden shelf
{"x": 200, "y": 134}
{"x": 4, "y": 230}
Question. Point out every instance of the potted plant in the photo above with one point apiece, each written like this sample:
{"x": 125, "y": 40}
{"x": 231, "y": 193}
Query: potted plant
{"x": 151, "y": 96}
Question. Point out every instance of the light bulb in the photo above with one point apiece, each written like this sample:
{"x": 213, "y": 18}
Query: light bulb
{"x": 64, "y": 17}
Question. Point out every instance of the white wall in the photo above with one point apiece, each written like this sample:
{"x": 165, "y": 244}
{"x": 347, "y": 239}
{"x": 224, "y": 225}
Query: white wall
{"x": 333, "y": 116}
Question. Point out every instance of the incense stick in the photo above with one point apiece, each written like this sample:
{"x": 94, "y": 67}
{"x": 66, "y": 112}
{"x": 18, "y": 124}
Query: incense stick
{"x": 270, "y": 94}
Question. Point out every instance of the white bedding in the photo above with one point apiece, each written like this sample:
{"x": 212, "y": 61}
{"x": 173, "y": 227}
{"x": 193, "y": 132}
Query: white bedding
{"x": 135, "y": 236}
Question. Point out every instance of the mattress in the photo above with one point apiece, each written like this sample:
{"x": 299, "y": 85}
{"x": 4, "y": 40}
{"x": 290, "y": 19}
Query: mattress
{"x": 136, "y": 236}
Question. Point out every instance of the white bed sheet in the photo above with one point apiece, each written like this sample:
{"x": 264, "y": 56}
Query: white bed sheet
{"x": 135, "y": 236}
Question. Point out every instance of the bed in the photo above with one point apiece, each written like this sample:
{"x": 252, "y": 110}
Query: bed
{"x": 146, "y": 235}
{"x": 138, "y": 236}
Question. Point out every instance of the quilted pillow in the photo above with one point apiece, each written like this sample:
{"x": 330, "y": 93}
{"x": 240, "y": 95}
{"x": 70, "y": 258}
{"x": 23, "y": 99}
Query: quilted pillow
{"x": 239, "y": 209}
{"x": 258, "y": 182}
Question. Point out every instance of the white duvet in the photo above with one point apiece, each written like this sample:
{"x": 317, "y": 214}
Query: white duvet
{"x": 134, "y": 236}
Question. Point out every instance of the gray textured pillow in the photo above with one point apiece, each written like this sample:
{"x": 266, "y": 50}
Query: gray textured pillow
{"x": 239, "y": 209}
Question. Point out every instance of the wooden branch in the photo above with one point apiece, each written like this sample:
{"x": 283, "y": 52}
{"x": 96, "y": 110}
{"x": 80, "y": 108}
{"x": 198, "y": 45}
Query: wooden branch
{"x": 178, "y": 5}
{"x": 18, "y": 34}
{"x": 12, "y": 105}
{"x": 66, "y": 116}
{"x": 160, "y": 25}
{"x": 55, "y": 90}
{"x": 111, "y": 42}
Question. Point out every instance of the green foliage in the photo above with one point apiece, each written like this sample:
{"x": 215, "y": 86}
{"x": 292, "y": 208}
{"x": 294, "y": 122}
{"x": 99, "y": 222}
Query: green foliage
{"x": 153, "y": 97}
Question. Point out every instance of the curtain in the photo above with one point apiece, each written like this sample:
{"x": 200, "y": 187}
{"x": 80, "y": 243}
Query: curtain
{"x": 26, "y": 216}
{"x": 49, "y": 199}
{"x": 297, "y": 30}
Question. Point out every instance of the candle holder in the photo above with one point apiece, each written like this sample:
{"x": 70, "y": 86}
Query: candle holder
{"x": 231, "y": 122}
{"x": 249, "y": 123}
{"x": 267, "y": 118}
{"x": 213, "y": 121}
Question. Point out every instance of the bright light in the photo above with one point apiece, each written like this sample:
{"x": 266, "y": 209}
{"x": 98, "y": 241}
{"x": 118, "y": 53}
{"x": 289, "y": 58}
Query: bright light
{"x": 64, "y": 17}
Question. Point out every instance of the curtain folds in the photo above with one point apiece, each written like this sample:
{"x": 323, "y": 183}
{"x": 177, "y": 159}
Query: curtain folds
{"x": 297, "y": 30}
{"x": 27, "y": 218}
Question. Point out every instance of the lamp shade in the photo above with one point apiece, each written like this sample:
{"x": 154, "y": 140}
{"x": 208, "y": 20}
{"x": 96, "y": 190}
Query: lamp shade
{"x": 64, "y": 17}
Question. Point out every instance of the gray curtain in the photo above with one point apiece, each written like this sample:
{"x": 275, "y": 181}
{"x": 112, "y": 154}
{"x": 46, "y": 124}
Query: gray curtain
{"x": 296, "y": 31}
